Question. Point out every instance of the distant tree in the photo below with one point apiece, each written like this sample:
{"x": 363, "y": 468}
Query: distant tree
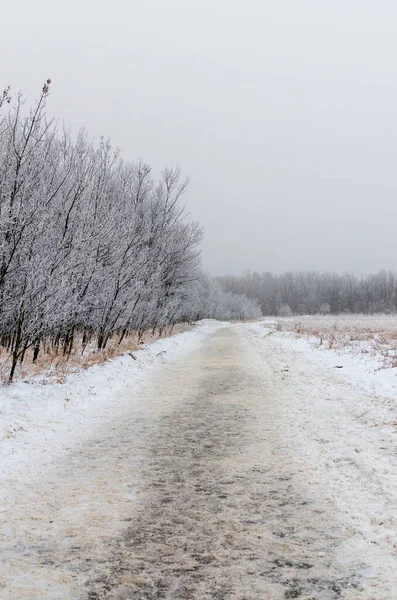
{"x": 285, "y": 311}
{"x": 325, "y": 308}
{"x": 307, "y": 291}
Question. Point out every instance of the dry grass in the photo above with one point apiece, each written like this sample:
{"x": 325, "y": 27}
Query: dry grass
{"x": 55, "y": 367}
{"x": 374, "y": 336}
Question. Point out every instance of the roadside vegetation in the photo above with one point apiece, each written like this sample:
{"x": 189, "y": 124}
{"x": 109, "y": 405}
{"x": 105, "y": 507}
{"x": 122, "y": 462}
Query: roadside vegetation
{"x": 373, "y": 337}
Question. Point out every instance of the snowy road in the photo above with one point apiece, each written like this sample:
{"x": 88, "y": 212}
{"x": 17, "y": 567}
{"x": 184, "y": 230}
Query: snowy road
{"x": 245, "y": 470}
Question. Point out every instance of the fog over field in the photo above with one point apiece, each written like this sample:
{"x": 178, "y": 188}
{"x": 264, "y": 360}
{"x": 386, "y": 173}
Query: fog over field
{"x": 284, "y": 114}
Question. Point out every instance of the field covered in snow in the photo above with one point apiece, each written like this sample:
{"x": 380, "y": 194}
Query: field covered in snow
{"x": 362, "y": 347}
{"x": 373, "y": 337}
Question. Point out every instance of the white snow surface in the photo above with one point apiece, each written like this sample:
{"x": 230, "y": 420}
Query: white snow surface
{"x": 333, "y": 431}
{"x": 39, "y": 422}
{"x": 342, "y": 423}
{"x": 362, "y": 369}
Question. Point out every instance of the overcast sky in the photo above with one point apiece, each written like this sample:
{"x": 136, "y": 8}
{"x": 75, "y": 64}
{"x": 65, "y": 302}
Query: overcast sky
{"x": 283, "y": 113}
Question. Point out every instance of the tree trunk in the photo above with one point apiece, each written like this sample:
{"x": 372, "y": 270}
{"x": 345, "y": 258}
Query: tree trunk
{"x": 100, "y": 340}
{"x": 23, "y": 353}
{"x": 71, "y": 340}
{"x": 17, "y": 345}
{"x": 84, "y": 342}
{"x": 105, "y": 340}
{"x": 123, "y": 334}
{"x": 36, "y": 351}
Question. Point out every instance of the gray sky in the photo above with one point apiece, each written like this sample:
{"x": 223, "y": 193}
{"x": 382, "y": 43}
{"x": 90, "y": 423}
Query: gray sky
{"x": 283, "y": 112}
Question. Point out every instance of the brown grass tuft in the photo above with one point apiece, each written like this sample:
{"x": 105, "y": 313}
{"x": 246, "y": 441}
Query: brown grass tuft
{"x": 55, "y": 367}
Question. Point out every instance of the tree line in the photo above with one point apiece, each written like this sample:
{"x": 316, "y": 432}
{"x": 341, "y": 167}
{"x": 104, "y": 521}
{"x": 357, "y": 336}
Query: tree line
{"x": 92, "y": 246}
{"x": 315, "y": 292}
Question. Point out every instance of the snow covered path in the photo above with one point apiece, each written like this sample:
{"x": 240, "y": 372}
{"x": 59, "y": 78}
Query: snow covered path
{"x": 247, "y": 469}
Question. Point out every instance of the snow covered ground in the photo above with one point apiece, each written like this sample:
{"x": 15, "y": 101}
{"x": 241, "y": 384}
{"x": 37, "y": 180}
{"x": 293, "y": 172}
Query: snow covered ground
{"x": 41, "y": 420}
{"x": 342, "y": 422}
{"x": 373, "y": 337}
{"x": 361, "y": 347}
{"x": 268, "y": 457}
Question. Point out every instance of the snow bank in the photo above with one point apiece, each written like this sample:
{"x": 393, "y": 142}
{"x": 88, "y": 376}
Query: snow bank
{"x": 363, "y": 370}
{"x": 38, "y": 422}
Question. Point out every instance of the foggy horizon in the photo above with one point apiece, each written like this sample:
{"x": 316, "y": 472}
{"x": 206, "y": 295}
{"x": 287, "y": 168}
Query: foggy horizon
{"x": 283, "y": 116}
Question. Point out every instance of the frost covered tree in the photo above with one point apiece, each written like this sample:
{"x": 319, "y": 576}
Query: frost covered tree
{"x": 285, "y": 311}
{"x": 91, "y": 246}
{"x": 325, "y": 308}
